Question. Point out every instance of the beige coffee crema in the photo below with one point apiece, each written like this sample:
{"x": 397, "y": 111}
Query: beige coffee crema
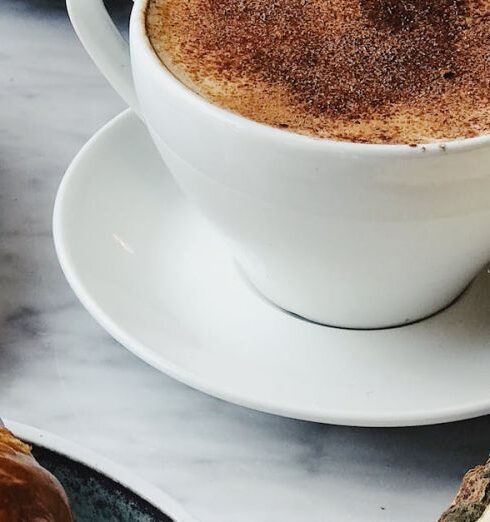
{"x": 368, "y": 71}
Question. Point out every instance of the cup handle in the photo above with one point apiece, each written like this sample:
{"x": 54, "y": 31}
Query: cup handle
{"x": 105, "y": 45}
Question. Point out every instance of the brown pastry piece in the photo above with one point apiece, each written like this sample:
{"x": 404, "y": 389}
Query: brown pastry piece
{"x": 28, "y": 492}
{"x": 473, "y": 498}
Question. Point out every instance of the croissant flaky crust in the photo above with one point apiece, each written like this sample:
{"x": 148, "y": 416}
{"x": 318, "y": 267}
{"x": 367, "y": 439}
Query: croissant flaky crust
{"x": 28, "y": 492}
{"x": 473, "y": 499}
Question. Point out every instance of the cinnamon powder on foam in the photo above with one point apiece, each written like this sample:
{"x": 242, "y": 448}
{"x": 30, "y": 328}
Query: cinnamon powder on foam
{"x": 380, "y": 71}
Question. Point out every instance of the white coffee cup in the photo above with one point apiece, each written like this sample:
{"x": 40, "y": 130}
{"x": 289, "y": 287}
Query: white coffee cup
{"x": 345, "y": 234}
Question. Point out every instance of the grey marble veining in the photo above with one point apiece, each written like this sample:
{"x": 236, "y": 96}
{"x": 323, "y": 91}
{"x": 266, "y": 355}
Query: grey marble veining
{"x": 61, "y": 372}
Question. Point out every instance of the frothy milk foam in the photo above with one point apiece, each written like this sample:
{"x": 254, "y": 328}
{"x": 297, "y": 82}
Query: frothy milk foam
{"x": 375, "y": 71}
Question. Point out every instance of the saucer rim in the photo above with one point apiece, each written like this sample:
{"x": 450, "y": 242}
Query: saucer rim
{"x": 417, "y": 417}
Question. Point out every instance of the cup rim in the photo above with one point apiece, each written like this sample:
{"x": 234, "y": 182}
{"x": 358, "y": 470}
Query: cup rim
{"x": 265, "y": 131}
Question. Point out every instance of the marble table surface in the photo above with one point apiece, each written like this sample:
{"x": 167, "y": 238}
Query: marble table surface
{"x": 61, "y": 372}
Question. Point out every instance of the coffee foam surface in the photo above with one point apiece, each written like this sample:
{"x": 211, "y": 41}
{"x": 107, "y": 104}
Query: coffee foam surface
{"x": 376, "y": 71}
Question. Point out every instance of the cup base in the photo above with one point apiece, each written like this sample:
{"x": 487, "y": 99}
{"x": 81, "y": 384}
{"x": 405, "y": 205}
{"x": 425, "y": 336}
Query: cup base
{"x": 376, "y": 328}
{"x": 327, "y": 324}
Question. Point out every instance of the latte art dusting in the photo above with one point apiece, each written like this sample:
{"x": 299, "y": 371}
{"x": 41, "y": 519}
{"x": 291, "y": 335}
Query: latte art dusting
{"x": 378, "y": 71}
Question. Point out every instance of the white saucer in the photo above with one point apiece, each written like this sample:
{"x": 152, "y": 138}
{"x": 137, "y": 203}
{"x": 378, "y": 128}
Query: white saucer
{"x": 160, "y": 280}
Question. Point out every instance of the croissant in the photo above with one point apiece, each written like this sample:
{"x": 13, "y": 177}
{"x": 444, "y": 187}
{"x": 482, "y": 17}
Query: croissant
{"x": 472, "y": 503}
{"x": 28, "y": 492}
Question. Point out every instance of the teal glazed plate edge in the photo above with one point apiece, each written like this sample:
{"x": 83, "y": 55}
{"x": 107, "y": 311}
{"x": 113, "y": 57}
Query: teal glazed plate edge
{"x": 98, "y": 490}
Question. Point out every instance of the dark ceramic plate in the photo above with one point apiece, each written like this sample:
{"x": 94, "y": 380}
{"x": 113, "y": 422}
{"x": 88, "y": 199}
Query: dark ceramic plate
{"x": 99, "y": 491}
